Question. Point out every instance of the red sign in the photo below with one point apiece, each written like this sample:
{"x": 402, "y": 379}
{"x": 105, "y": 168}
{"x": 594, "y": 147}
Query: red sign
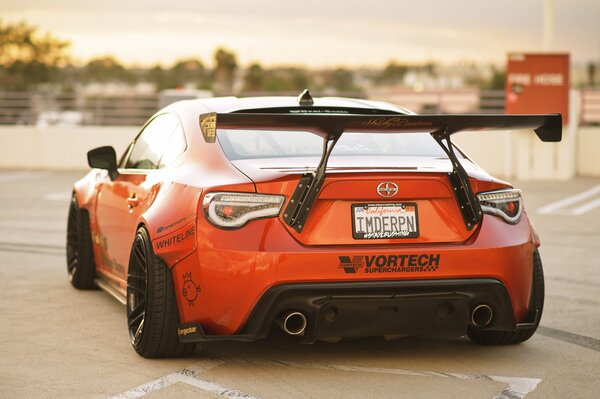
{"x": 537, "y": 84}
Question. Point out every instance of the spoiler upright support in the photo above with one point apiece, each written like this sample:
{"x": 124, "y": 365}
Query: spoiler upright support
{"x": 459, "y": 180}
{"x": 308, "y": 188}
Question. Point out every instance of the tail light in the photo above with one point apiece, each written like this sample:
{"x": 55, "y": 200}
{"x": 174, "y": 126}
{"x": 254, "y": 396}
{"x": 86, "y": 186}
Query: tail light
{"x": 506, "y": 203}
{"x": 233, "y": 210}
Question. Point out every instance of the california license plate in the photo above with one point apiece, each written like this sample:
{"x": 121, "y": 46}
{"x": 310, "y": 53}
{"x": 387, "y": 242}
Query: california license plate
{"x": 389, "y": 220}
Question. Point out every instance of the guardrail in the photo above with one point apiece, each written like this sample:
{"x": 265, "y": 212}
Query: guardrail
{"x": 446, "y": 101}
{"x": 72, "y": 109}
{"x": 31, "y": 108}
{"x": 590, "y": 107}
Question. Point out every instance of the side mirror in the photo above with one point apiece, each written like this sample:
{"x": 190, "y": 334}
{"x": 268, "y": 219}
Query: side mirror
{"x": 104, "y": 158}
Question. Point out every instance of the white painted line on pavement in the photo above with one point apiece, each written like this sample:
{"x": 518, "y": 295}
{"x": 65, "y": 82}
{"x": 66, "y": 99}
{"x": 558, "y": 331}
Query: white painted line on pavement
{"x": 554, "y": 208}
{"x": 518, "y": 387}
{"x": 186, "y": 376}
{"x": 586, "y": 207}
{"x": 58, "y": 196}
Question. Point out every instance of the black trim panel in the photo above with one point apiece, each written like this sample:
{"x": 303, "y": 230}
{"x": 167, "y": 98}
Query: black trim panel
{"x": 358, "y": 309}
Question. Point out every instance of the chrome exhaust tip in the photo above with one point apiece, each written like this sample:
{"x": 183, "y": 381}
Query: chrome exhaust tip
{"x": 294, "y": 323}
{"x": 482, "y": 315}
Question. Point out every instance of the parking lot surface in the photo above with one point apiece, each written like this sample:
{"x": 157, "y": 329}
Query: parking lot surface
{"x": 56, "y": 341}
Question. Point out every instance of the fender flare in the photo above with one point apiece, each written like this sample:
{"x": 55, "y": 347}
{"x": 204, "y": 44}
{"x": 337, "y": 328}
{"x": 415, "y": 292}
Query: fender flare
{"x": 171, "y": 222}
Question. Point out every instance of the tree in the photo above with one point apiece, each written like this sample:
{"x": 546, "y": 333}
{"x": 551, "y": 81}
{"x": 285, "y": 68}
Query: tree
{"x": 106, "y": 69}
{"x": 393, "y": 73}
{"x": 287, "y": 79}
{"x": 430, "y": 68}
{"x": 342, "y": 79}
{"x": 29, "y": 57}
{"x": 497, "y": 81}
{"x": 299, "y": 79}
{"x": 225, "y": 67}
{"x": 188, "y": 71}
{"x": 254, "y": 78}
{"x": 158, "y": 76}
{"x": 591, "y": 70}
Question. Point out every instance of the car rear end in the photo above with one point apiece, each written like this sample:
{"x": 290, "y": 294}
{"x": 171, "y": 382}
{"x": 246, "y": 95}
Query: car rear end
{"x": 385, "y": 248}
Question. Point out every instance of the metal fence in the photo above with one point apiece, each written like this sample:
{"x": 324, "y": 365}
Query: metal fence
{"x": 447, "y": 101}
{"x": 590, "y": 107}
{"x": 30, "y": 108}
{"x": 71, "y": 109}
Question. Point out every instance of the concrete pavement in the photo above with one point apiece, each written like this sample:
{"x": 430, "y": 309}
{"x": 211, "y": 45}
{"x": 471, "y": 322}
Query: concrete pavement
{"x": 56, "y": 341}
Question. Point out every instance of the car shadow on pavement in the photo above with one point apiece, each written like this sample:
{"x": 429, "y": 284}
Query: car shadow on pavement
{"x": 416, "y": 350}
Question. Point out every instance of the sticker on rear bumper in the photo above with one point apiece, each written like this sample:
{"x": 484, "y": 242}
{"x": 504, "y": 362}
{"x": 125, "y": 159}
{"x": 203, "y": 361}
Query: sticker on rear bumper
{"x": 190, "y": 289}
{"x": 390, "y": 263}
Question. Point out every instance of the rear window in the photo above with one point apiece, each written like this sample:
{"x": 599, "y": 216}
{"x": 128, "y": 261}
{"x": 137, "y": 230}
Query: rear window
{"x": 252, "y": 144}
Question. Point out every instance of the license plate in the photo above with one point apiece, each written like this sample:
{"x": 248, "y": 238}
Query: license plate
{"x": 390, "y": 220}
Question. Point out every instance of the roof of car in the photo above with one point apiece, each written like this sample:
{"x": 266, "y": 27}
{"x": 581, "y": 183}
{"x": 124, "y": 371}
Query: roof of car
{"x": 235, "y": 104}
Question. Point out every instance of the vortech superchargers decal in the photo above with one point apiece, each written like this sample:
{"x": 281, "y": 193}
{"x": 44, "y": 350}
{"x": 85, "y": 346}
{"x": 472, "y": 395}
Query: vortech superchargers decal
{"x": 403, "y": 263}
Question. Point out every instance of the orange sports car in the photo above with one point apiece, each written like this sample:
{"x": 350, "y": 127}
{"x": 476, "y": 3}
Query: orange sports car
{"x": 329, "y": 217}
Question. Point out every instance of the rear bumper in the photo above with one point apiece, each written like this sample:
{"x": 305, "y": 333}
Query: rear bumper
{"x": 357, "y": 309}
{"x": 233, "y": 271}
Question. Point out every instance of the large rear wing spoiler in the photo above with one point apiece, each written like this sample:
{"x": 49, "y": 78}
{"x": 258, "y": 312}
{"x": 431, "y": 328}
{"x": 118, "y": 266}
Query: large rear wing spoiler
{"x": 331, "y": 127}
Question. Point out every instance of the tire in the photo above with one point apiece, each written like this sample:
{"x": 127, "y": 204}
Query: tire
{"x": 516, "y": 337}
{"x": 80, "y": 254}
{"x": 152, "y": 314}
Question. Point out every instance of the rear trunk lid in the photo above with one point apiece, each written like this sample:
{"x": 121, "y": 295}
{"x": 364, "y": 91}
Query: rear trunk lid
{"x": 359, "y": 201}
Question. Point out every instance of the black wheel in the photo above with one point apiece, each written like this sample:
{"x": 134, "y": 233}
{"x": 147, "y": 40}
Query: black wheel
{"x": 152, "y": 314}
{"x": 80, "y": 254}
{"x": 536, "y": 303}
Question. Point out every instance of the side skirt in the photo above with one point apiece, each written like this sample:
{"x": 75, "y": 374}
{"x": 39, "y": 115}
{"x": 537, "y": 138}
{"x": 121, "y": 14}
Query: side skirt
{"x": 106, "y": 286}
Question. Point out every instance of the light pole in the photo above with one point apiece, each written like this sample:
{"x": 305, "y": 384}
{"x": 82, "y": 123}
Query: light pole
{"x": 548, "y": 25}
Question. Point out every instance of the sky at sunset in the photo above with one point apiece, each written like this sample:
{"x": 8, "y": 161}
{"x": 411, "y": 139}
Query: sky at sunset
{"x": 311, "y": 32}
